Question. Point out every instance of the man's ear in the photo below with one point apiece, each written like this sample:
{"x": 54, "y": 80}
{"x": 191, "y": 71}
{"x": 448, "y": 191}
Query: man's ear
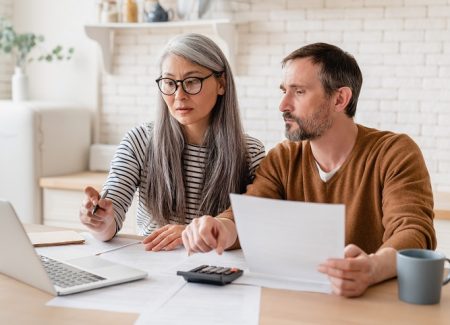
{"x": 342, "y": 98}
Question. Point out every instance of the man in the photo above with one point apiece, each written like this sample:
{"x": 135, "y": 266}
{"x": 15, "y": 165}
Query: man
{"x": 381, "y": 177}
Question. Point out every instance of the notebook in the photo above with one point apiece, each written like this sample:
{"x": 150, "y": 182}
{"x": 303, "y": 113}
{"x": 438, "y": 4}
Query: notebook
{"x": 55, "y": 238}
{"x": 21, "y": 261}
{"x": 285, "y": 241}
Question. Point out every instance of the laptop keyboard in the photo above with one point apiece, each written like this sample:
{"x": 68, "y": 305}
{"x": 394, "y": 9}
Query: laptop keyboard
{"x": 65, "y": 276}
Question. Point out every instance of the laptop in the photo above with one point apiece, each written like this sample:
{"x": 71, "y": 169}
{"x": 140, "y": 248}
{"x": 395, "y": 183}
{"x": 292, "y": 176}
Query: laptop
{"x": 19, "y": 260}
{"x": 285, "y": 241}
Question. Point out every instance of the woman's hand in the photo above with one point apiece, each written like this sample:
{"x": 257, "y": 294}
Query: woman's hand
{"x": 165, "y": 238}
{"x": 102, "y": 223}
{"x": 207, "y": 233}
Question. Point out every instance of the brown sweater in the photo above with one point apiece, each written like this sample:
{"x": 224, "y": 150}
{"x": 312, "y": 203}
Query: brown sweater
{"x": 384, "y": 185}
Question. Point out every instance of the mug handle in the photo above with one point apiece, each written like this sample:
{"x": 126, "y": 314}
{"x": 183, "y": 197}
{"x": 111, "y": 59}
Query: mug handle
{"x": 447, "y": 280}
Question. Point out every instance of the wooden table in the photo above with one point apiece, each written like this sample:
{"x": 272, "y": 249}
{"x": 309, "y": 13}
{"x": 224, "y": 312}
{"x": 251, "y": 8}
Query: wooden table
{"x": 22, "y": 304}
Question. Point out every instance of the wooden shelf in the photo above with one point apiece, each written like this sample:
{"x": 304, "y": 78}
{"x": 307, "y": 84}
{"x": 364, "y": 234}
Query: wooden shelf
{"x": 75, "y": 182}
{"x": 103, "y": 34}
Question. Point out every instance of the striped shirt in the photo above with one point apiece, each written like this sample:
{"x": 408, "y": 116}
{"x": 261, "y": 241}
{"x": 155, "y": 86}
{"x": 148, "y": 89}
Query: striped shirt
{"x": 128, "y": 174}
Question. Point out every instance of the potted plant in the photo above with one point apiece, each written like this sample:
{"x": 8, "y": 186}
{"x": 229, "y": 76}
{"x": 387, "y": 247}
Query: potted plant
{"x": 22, "y": 47}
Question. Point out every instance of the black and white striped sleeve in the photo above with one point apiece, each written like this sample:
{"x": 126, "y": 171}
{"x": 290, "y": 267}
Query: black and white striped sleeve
{"x": 256, "y": 152}
{"x": 125, "y": 171}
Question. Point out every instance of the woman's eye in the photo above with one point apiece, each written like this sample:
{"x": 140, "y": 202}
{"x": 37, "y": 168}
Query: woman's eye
{"x": 192, "y": 82}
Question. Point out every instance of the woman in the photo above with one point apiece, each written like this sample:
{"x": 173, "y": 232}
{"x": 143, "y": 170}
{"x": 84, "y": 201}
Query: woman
{"x": 187, "y": 162}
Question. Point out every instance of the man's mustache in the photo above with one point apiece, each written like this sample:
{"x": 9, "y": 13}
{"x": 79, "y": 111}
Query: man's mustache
{"x": 287, "y": 115}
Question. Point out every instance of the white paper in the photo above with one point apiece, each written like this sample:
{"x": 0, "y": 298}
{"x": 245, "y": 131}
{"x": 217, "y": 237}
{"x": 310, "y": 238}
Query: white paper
{"x": 202, "y": 304}
{"x": 233, "y": 258}
{"x": 155, "y": 263}
{"x": 130, "y": 297}
{"x": 161, "y": 285}
{"x": 287, "y": 240}
{"x": 127, "y": 297}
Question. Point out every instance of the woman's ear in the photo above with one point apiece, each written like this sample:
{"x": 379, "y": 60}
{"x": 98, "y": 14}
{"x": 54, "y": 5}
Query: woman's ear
{"x": 221, "y": 84}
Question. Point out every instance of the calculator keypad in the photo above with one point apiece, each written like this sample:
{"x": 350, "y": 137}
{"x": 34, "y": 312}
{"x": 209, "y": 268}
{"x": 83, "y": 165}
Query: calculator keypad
{"x": 211, "y": 274}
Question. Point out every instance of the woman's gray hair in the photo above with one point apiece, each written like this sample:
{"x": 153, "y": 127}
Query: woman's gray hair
{"x": 226, "y": 165}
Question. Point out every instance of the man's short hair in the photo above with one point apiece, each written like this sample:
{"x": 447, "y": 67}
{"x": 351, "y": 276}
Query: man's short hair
{"x": 338, "y": 69}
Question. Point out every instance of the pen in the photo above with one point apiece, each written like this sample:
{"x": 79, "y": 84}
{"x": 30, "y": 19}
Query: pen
{"x": 116, "y": 248}
{"x": 101, "y": 198}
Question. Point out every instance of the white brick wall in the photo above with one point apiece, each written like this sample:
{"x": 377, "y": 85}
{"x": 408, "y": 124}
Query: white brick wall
{"x": 403, "y": 47}
{"x": 6, "y": 66}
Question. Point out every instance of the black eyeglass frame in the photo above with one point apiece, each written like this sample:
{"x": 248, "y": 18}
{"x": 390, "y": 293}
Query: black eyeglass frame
{"x": 181, "y": 81}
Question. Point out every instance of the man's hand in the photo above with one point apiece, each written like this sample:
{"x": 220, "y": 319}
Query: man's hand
{"x": 165, "y": 238}
{"x": 352, "y": 275}
{"x": 102, "y": 223}
{"x": 207, "y": 233}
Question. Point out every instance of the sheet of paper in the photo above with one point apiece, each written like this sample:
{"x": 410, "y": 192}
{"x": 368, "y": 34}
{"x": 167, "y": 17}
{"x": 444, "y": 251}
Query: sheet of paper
{"x": 151, "y": 292}
{"x": 287, "y": 240}
{"x": 202, "y": 304}
{"x": 155, "y": 263}
{"x": 133, "y": 297}
{"x": 233, "y": 258}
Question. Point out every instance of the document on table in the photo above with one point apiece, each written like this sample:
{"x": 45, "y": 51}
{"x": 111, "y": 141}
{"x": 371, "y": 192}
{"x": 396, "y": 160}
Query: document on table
{"x": 196, "y": 304}
{"x": 162, "y": 284}
{"x": 133, "y": 297}
{"x": 285, "y": 241}
{"x": 127, "y": 297}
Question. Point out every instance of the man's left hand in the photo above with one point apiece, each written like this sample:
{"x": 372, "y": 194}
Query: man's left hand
{"x": 352, "y": 275}
{"x": 165, "y": 238}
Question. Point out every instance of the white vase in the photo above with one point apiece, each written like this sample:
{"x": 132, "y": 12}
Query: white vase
{"x": 19, "y": 85}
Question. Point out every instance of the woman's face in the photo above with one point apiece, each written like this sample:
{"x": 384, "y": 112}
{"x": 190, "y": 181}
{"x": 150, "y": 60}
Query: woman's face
{"x": 191, "y": 111}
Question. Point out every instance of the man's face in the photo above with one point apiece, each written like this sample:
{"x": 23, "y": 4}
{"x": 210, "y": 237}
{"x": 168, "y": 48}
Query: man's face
{"x": 307, "y": 110}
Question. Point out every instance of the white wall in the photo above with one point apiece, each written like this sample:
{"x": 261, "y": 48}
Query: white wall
{"x": 402, "y": 46}
{"x": 61, "y": 22}
{"x": 6, "y": 11}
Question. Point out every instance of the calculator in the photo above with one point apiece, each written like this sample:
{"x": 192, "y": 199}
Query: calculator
{"x": 211, "y": 274}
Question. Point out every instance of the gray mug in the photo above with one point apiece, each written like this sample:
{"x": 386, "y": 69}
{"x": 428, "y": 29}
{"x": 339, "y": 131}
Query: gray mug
{"x": 420, "y": 275}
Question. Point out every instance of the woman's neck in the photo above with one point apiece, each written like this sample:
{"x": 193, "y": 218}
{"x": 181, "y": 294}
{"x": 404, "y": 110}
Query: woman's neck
{"x": 194, "y": 134}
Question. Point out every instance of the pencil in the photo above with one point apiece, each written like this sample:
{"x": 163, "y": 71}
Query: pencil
{"x": 117, "y": 248}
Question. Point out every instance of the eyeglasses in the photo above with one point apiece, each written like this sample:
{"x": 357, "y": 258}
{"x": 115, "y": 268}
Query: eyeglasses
{"x": 191, "y": 85}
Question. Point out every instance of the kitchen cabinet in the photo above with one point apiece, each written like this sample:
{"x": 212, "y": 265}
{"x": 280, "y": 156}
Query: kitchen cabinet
{"x": 63, "y": 196}
{"x": 39, "y": 139}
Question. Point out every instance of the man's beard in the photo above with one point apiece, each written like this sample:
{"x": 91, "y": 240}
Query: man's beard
{"x": 309, "y": 128}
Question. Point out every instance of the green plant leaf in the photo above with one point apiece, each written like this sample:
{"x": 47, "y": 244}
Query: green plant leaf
{"x": 21, "y": 45}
